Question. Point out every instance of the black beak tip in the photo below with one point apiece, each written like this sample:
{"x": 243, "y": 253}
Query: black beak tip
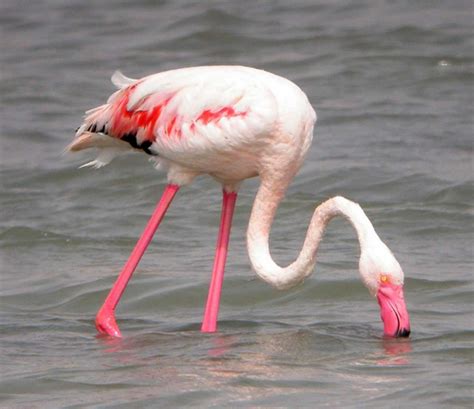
{"x": 403, "y": 333}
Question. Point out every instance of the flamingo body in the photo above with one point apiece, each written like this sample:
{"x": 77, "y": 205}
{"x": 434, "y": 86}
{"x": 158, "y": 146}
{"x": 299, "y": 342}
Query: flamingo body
{"x": 222, "y": 121}
{"x": 231, "y": 123}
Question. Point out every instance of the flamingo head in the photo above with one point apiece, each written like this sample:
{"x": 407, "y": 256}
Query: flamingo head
{"x": 384, "y": 277}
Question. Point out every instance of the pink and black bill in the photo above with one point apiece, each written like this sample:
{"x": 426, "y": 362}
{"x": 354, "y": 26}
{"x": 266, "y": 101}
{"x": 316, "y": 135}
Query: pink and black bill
{"x": 393, "y": 310}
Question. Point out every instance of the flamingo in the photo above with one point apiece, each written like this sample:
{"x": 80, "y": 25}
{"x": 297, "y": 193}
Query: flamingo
{"x": 232, "y": 123}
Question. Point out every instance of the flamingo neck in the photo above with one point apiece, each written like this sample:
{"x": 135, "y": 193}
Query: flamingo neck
{"x": 264, "y": 209}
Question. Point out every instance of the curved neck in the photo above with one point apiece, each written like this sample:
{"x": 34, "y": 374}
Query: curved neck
{"x": 264, "y": 209}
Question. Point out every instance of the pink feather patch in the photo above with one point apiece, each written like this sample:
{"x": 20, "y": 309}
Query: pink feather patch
{"x": 126, "y": 121}
{"x": 209, "y": 116}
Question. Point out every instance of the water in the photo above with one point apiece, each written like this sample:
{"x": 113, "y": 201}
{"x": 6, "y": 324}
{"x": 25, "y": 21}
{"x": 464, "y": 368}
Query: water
{"x": 392, "y": 85}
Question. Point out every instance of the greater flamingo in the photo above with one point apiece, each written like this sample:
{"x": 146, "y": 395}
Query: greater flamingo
{"x": 231, "y": 123}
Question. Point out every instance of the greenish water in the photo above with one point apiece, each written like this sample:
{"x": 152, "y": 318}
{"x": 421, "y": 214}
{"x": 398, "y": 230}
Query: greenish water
{"x": 393, "y": 87}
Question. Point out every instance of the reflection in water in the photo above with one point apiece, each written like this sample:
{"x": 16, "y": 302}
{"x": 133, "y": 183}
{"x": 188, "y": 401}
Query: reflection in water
{"x": 249, "y": 366}
{"x": 239, "y": 363}
{"x": 396, "y": 350}
{"x": 221, "y": 345}
{"x": 113, "y": 344}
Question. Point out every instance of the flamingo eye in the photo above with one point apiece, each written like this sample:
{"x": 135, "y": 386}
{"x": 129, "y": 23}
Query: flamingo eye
{"x": 384, "y": 279}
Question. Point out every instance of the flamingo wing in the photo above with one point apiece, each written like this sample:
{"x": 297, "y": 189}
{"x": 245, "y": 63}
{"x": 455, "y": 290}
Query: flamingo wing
{"x": 182, "y": 110}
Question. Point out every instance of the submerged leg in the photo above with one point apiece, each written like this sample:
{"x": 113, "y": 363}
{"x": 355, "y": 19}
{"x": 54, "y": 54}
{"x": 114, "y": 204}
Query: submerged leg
{"x": 209, "y": 323}
{"x": 105, "y": 319}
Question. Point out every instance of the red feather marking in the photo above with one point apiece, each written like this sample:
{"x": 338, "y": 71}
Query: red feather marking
{"x": 209, "y": 116}
{"x": 138, "y": 121}
{"x": 140, "y": 124}
{"x": 170, "y": 127}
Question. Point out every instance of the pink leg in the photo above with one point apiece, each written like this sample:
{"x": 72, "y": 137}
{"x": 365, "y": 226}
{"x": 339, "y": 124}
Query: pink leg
{"x": 209, "y": 323}
{"x": 105, "y": 319}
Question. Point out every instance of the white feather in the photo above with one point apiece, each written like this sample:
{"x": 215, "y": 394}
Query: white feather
{"x": 105, "y": 156}
{"x": 120, "y": 80}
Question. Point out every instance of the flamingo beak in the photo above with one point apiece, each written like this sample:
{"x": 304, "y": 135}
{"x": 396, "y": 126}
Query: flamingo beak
{"x": 393, "y": 310}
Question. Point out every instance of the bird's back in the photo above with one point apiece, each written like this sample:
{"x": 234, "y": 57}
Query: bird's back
{"x": 205, "y": 118}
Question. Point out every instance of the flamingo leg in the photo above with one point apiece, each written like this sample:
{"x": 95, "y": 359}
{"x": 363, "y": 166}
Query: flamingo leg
{"x": 209, "y": 323}
{"x": 105, "y": 319}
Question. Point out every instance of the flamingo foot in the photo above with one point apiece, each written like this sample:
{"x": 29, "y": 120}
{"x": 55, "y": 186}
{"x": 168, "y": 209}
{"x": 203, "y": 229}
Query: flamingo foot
{"x": 105, "y": 323}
